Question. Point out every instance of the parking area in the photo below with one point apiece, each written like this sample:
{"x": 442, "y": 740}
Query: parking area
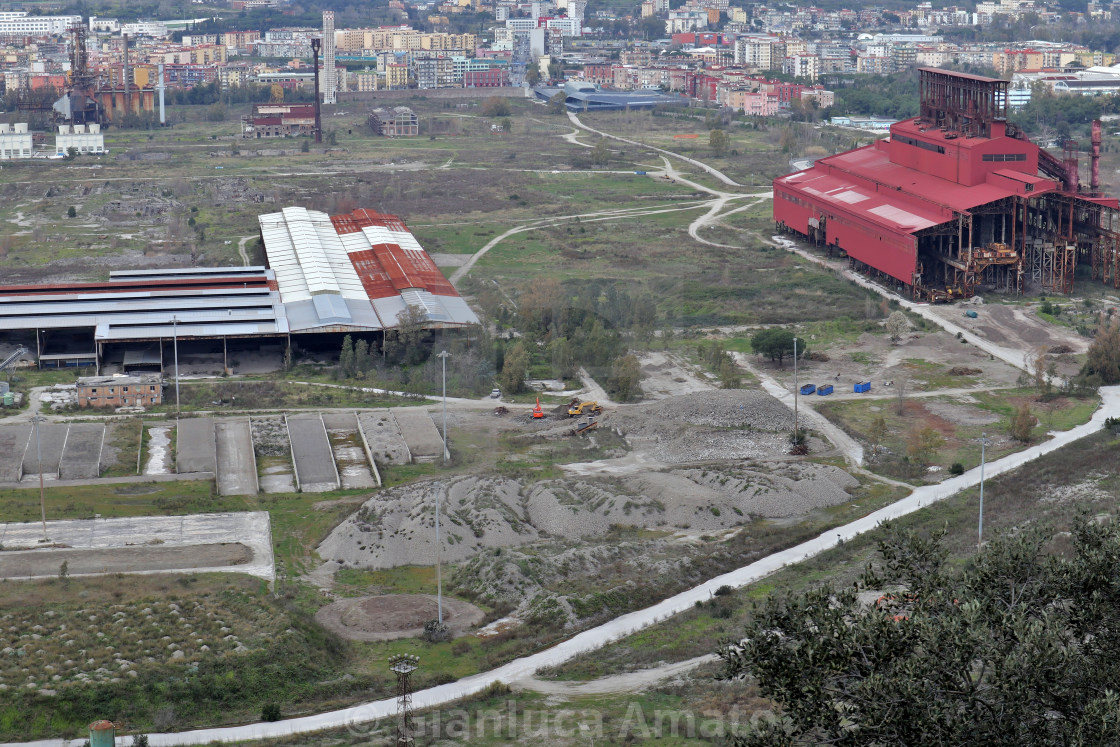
{"x": 48, "y": 450}
{"x": 349, "y": 452}
{"x": 384, "y": 437}
{"x": 237, "y": 467}
{"x": 237, "y": 542}
{"x": 420, "y": 433}
{"x": 13, "y": 444}
{"x": 194, "y": 445}
{"x": 316, "y": 471}
{"x": 81, "y": 457}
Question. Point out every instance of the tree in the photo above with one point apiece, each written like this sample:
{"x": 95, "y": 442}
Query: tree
{"x": 897, "y": 325}
{"x": 533, "y": 74}
{"x": 1022, "y": 424}
{"x": 600, "y": 154}
{"x": 362, "y": 362}
{"x": 64, "y": 573}
{"x": 346, "y": 358}
{"x": 496, "y": 106}
{"x": 876, "y": 434}
{"x": 777, "y": 344}
{"x": 71, "y": 212}
{"x": 556, "y": 103}
{"x": 719, "y": 142}
{"x": 922, "y": 445}
{"x": 625, "y": 381}
{"x": 1103, "y": 364}
{"x": 1015, "y": 648}
{"x": 514, "y": 369}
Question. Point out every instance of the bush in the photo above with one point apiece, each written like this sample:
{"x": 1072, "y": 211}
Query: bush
{"x": 956, "y": 469}
{"x": 270, "y": 712}
{"x": 724, "y": 591}
{"x": 436, "y": 632}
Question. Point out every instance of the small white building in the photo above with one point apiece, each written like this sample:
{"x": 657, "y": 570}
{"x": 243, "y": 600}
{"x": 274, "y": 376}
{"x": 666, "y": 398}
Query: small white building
{"x": 82, "y": 138}
{"x": 15, "y": 141}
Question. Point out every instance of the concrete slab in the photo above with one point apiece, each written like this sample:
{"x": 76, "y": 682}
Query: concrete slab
{"x": 52, "y": 438}
{"x": 384, "y": 437}
{"x": 311, "y": 452}
{"x": 237, "y": 466}
{"x": 274, "y": 454}
{"x": 250, "y": 529}
{"x": 420, "y": 433}
{"x": 81, "y": 459}
{"x": 194, "y": 445}
{"x": 349, "y": 451}
{"x": 13, "y": 444}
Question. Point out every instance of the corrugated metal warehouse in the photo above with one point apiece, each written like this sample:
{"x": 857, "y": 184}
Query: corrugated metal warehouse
{"x": 953, "y": 201}
{"x": 355, "y": 273}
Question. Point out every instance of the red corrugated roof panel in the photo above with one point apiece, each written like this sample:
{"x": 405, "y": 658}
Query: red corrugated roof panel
{"x": 388, "y": 268}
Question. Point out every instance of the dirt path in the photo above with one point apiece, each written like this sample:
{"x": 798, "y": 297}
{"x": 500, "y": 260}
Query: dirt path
{"x": 619, "y": 683}
{"x": 241, "y": 249}
{"x": 698, "y": 164}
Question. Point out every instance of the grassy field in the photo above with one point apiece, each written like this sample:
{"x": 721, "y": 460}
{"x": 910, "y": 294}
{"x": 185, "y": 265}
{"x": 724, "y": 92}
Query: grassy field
{"x": 959, "y": 421}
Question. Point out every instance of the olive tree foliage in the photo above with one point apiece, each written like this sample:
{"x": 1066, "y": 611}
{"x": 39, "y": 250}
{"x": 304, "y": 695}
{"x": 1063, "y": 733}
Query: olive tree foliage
{"x": 1017, "y": 648}
{"x": 1103, "y": 363}
{"x": 777, "y": 344}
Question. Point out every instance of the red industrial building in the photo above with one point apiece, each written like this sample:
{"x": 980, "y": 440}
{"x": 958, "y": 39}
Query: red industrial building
{"x": 957, "y": 199}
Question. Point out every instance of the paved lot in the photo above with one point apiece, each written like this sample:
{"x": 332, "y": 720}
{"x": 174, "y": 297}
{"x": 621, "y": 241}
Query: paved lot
{"x": 133, "y": 536}
{"x": 45, "y": 563}
{"x": 52, "y": 437}
{"x": 349, "y": 453}
{"x": 311, "y": 452}
{"x": 420, "y": 433}
{"x": 237, "y": 469}
{"x": 194, "y": 445}
{"x": 384, "y": 437}
{"x": 13, "y": 443}
{"x": 81, "y": 459}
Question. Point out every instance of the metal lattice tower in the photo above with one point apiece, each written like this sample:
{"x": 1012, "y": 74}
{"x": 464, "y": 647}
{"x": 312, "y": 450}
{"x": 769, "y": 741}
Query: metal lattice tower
{"x": 403, "y": 665}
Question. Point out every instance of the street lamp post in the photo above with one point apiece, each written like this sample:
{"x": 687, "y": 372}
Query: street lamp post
{"x": 42, "y": 493}
{"x": 175, "y": 340}
{"x": 796, "y": 389}
{"x": 444, "y": 355}
{"x": 980, "y": 528}
{"x": 439, "y": 557}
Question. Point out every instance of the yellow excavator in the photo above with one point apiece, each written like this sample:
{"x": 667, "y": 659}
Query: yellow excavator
{"x": 577, "y": 408}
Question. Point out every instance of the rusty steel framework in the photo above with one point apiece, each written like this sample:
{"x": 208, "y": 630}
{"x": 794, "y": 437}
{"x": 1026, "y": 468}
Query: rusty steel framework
{"x": 403, "y": 665}
{"x": 965, "y": 105}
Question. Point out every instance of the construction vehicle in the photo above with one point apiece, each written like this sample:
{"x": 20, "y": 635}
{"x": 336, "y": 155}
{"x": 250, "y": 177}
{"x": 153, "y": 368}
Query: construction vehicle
{"x": 13, "y": 358}
{"x": 576, "y": 409}
{"x": 538, "y": 413}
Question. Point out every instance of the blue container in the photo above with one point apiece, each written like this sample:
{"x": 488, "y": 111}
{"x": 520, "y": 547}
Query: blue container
{"x": 808, "y": 388}
{"x": 640, "y": 173}
{"x": 825, "y": 390}
{"x": 861, "y": 387}
{"x": 971, "y": 314}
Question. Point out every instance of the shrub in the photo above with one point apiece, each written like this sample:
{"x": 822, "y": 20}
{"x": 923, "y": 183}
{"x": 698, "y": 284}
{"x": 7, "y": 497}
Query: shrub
{"x": 724, "y": 591}
{"x": 270, "y": 712}
{"x": 436, "y": 632}
{"x": 956, "y": 469}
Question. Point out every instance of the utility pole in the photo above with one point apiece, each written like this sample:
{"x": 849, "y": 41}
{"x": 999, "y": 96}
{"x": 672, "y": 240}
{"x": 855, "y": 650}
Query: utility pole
{"x": 439, "y": 562}
{"x": 796, "y": 389}
{"x": 980, "y": 529}
{"x": 444, "y": 355}
{"x": 175, "y": 340}
{"x": 42, "y": 495}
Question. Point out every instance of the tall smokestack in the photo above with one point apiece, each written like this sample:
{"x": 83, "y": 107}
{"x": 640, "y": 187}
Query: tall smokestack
{"x": 318, "y": 114}
{"x": 1095, "y": 173}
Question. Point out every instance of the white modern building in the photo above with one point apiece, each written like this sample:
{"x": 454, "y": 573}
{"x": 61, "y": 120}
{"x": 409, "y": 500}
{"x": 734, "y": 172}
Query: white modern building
{"x": 15, "y": 141}
{"x": 19, "y": 22}
{"x": 82, "y": 138}
{"x": 157, "y": 29}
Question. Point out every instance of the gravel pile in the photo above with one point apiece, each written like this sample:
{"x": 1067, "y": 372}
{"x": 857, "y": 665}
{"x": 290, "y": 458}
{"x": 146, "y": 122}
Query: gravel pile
{"x": 725, "y": 408}
{"x": 270, "y": 437}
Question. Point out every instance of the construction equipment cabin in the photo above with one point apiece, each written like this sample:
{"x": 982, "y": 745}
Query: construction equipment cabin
{"x": 957, "y": 200}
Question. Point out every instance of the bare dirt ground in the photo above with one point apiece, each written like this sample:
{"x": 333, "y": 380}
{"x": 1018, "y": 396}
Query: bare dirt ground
{"x": 922, "y": 359}
{"x": 1019, "y": 327}
{"x": 667, "y": 375}
{"x": 384, "y": 618}
{"x": 46, "y": 563}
